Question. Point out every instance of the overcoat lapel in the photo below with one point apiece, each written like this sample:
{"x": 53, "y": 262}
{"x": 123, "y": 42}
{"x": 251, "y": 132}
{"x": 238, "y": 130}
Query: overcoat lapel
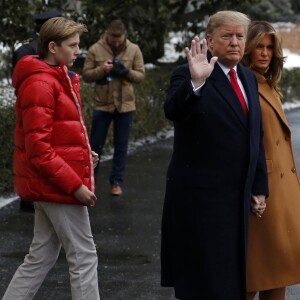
{"x": 270, "y": 96}
{"x": 223, "y": 85}
{"x": 276, "y": 105}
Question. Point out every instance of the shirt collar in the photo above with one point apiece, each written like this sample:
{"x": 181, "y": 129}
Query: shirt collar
{"x": 226, "y": 69}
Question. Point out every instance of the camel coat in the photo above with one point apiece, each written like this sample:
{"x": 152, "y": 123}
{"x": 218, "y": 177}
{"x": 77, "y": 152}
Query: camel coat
{"x": 117, "y": 94}
{"x": 274, "y": 239}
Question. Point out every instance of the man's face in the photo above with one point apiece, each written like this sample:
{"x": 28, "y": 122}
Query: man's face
{"x": 228, "y": 44}
{"x": 68, "y": 51}
{"x": 115, "y": 42}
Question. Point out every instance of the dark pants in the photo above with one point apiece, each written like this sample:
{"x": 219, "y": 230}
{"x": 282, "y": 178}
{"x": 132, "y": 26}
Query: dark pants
{"x": 121, "y": 129}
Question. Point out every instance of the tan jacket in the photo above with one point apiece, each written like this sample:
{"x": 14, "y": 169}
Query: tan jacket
{"x": 117, "y": 94}
{"x": 274, "y": 239}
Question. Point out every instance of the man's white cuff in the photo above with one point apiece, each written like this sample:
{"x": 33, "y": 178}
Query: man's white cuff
{"x": 196, "y": 90}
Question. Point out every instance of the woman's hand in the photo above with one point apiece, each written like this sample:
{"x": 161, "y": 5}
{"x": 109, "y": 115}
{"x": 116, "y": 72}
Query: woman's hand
{"x": 258, "y": 205}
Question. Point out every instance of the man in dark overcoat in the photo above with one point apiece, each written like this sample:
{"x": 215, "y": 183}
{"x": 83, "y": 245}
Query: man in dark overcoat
{"x": 217, "y": 167}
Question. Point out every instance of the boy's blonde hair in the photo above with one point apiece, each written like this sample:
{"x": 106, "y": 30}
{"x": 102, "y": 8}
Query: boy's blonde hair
{"x": 57, "y": 30}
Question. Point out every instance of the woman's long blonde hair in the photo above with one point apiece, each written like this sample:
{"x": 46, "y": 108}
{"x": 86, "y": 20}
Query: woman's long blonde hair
{"x": 256, "y": 31}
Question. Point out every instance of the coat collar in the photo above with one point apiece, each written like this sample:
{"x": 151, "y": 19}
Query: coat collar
{"x": 271, "y": 97}
{"x": 102, "y": 41}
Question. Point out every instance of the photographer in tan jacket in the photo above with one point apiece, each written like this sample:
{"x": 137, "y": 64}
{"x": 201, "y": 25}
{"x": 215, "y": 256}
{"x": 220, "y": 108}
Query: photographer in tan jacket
{"x": 114, "y": 64}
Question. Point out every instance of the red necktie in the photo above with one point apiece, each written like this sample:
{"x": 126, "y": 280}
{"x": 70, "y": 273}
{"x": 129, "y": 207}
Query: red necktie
{"x": 237, "y": 89}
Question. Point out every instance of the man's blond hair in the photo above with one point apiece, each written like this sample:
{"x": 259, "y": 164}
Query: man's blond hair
{"x": 57, "y": 30}
{"x": 226, "y": 17}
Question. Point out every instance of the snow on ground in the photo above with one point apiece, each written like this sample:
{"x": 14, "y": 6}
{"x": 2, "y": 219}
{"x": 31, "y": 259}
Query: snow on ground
{"x": 132, "y": 147}
{"x": 6, "y": 201}
{"x": 293, "y": 61}
{"x": 170, "y": 52}
{"x": 291, "y": 105}
{"x": 283, "y": 26}
{"x": 7, "y": 94}
{"x": 135, "y": 145}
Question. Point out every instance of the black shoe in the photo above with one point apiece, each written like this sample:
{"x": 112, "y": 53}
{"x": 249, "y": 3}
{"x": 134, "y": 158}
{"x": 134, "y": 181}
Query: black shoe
{"x": 26, "y": 206}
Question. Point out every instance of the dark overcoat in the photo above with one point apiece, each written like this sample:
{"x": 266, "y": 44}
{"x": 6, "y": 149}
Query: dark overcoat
{"x": 218, "y": 161}
{"x": 28, "y": 48}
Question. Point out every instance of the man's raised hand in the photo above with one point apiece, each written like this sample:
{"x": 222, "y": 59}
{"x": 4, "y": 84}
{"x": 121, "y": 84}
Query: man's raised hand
{"x": 199, "y": 66}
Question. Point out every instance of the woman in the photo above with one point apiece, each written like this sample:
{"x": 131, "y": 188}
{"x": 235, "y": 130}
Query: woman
{"x": 274, "y": 239}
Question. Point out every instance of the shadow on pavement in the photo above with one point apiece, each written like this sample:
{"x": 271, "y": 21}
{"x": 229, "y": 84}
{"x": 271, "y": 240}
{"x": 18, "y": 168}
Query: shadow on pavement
{"x": 126, "y": 233}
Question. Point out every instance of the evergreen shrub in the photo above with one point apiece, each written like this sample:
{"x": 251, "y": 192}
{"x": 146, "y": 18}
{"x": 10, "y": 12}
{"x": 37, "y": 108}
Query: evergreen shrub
{"x": 148, "y": 118}
{"x": 7, "y": 125}
{"x": 289, "y": 84}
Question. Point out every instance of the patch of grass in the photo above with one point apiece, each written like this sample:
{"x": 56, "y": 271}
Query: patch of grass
{"x": 290, "y": 86}
{"x": 7, "y": 125}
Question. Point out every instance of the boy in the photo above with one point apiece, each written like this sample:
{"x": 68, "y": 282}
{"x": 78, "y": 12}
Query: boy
{"x": 53, "y": 164}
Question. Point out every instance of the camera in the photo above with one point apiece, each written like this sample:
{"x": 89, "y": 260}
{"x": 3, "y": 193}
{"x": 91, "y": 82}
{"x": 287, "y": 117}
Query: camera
{"x": 117, "y": 65}
{"x": 119, "y": 69}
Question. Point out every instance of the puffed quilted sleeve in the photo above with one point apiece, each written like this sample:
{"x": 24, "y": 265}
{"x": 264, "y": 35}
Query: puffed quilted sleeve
{"x": 38, "y": 106}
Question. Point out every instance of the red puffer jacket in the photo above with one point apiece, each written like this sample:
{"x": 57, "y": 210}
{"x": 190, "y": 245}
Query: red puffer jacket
{"x": 52, "y": 156}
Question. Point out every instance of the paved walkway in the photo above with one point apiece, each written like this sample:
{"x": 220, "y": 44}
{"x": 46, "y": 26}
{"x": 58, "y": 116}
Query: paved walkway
{"x": 126, "y": 232}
